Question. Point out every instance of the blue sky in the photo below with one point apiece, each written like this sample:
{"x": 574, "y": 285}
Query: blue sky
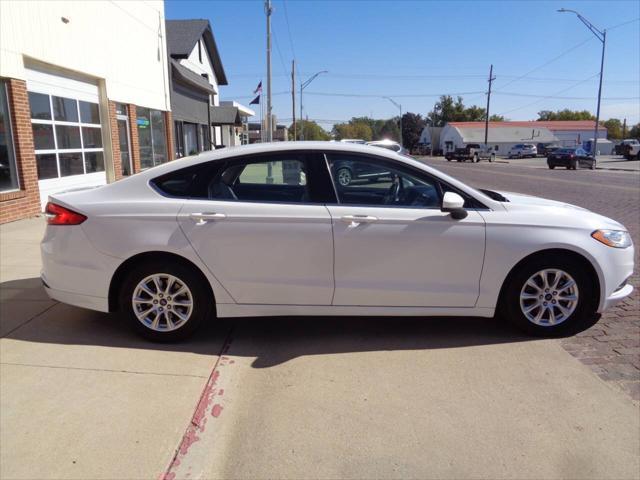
{"x": 415, "y": 50}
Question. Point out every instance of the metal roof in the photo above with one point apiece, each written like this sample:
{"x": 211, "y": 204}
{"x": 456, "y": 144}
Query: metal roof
{"x": 514, "y": 134}
{"x": 182, "y": 36}
{"x": 553, "y": 125}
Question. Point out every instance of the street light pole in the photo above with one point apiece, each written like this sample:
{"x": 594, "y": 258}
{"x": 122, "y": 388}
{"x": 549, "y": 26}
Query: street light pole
{"x": 400, "y": 107}
{"x": 304, "y": 85}
{"x": 268, "y": 10}
{"x": 602, "y": 36}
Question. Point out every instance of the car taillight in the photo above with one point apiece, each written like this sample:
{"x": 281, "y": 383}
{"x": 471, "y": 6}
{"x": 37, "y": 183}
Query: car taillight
{"x": 571, "y": 156}
{"x": 57, "y": 215}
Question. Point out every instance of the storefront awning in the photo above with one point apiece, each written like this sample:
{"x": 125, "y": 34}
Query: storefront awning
{"x": 225, "y": 116}
{"x": 191, "y": 78}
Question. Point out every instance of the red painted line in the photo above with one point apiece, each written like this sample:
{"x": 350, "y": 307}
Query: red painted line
{"x": 199, "y": 417}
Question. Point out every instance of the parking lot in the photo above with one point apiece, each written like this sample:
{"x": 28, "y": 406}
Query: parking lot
{"x": 82, "y": 397}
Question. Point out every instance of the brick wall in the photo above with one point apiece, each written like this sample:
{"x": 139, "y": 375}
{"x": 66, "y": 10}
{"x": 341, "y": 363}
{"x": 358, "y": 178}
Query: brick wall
{"x": 168, "y": 122}
{"x": 115, "y": 140}
{"x": 25, "y": 202}
{"x": 135, "y": 145}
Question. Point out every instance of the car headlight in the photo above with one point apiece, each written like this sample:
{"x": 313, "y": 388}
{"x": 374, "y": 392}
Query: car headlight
{"x": 613, "y": 238}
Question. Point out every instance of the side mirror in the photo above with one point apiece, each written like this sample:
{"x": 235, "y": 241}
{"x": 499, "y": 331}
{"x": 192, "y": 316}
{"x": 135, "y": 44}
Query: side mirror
{"x": 454, "y": 203}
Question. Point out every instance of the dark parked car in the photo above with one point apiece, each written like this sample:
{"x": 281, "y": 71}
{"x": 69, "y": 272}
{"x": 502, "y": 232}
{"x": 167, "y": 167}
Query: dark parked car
{"x": 571, "y": 159}
{"x": 348, "y": 171}
{"x": 544, "y": 149}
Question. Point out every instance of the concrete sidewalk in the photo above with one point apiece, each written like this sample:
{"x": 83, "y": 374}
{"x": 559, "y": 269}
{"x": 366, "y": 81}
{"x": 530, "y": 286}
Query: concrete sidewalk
{"x": 82, "y": 397}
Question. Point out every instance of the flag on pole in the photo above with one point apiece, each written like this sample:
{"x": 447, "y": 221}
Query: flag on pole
{"x": 258, "y": 89}
{"x": 255, "y": 101}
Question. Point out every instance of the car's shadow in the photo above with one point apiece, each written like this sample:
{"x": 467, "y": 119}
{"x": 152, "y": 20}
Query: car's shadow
{"x": 272, "y": 340}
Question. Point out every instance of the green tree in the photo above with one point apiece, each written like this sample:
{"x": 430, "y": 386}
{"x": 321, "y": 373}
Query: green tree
{"x": 565, "y": 114}
{"x": 634, "y": 132}
{"x": 312, "y": 131}
{"x": 412, "y": 125}
{"x": 354, "y": 128}
{"x": 449, "y": 110}
{"x": 496, "y": 118}
{"x": 614, "y": 128}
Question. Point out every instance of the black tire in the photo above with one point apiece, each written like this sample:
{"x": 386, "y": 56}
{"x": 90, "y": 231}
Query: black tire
{"x": 202, "y": 300}
{"x": 476, "y": 159}
{"x": 552, "y": 167}
{"x": 585, "y": 311}
{"x": 574, "y": 165}
{"x": 492, "y": 158}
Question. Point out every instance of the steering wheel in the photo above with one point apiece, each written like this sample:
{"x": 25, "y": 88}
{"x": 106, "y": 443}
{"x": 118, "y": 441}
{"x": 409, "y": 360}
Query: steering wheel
{"x": 395, "y": 191}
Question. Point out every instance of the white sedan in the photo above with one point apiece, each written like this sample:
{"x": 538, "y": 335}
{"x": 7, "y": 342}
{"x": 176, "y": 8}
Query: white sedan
{"x": 267, "y": 230}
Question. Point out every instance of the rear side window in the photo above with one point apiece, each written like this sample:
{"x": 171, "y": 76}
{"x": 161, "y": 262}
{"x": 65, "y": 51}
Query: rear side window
{"x": 190, "y": 182}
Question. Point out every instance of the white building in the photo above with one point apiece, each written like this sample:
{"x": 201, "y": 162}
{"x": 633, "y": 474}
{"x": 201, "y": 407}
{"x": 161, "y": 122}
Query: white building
{"x": 84, "y": 96}
{"x": 503, "y": 135}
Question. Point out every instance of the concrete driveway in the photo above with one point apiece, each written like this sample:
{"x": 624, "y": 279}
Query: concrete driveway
{"x": 82, "y": 397}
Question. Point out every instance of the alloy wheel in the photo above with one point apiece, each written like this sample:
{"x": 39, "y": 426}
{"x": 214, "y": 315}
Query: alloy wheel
{"x": 549, "y": 297}
{"x": 344, "y": 177}
{"x": 162, "y": 302}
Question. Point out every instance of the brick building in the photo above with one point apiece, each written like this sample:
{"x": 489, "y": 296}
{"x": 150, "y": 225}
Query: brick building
{"x": 84, "y": 97}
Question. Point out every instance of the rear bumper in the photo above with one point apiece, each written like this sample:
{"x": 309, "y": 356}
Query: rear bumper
{"x": 76, "y": 299}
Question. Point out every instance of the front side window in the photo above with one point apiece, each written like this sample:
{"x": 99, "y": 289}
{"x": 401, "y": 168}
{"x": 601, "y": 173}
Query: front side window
{"x": 8, "y": 170}
{"x": 67, "y": 136}
{"x": 370, "y": 181}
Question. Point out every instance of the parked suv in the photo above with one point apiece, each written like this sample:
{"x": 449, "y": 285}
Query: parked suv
{"x": 522, "y": 150}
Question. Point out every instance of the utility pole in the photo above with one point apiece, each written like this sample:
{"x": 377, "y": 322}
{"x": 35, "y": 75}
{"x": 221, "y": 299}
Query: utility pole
{"x": 602, "y": 36}
{"x": 624, "y": 129}
{"x": 486, "y": 120}
{"x": 304, "y": 85}
{"x": 268, "y": 10}
{"x": 399, "y": 107}
{"x": 293, "y": 96}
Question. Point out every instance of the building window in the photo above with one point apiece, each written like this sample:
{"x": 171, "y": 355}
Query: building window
{"x": 152, "y": 137}
{"x": 8, "y": 170}
{"x": 67, "y": 136}
{"x": 206, "y": 141}
{"x": 179, "y": 139}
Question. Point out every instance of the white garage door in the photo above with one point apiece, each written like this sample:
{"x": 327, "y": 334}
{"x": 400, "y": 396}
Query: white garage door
{"x": 67, "y": 132}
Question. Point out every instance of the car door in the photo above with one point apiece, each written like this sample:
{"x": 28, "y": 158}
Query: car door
{"x": 255, "y": 224}
{"x": 394, "y": 246}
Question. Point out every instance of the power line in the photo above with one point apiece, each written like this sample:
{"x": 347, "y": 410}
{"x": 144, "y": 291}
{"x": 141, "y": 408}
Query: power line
{"x": 587, "y": 40}
{"x": 286, "y": 17}
{"x": 551, "y": 96}
{"x": 380, "y": 95}
{"x": 623, "y": 24}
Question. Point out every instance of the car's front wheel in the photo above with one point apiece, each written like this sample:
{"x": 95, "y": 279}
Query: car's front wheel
{"x": 164, "y": 302}
{"x": 552, "y": 167}
{"x": 550, "y": 296}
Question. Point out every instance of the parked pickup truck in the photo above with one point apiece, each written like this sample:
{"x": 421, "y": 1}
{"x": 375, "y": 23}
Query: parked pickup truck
{"x": 631, "y": 150}
{"x": 472, "y": 151}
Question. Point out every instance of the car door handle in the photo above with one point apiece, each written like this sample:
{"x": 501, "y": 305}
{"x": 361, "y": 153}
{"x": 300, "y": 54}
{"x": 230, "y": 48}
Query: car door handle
{"x": 357, "y": 219}
{"x": 204, "y": 217}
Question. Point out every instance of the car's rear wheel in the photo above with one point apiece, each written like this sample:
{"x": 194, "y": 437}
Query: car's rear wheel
{"x": 552, "y": 167}
{"x": 476, "y": 159}
{"x": 344, "y": 176}
{"x": 550, "y": 296}
{"x": 164, "y": 302}
{"x": 574, "y": 165}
